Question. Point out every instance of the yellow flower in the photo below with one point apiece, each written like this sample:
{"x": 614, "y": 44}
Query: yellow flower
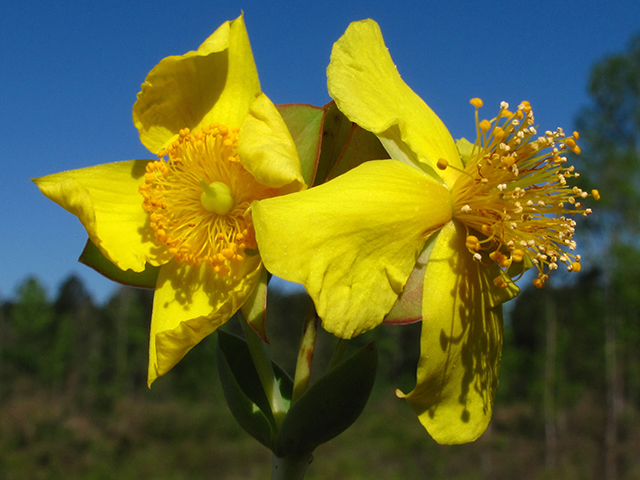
{"x": 426, "y": 225}
{"x": 221, "y": 144}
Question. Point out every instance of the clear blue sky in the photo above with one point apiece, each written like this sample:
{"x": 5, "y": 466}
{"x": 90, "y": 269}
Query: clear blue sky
{"x": 70, "y": 71}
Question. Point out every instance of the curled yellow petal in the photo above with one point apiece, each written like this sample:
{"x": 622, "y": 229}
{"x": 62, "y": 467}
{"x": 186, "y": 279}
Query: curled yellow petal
{"x": 266, "y": 148}
{"x": 215, "y": 84}
{"x": 364, "y": 82}
{"x": 106, "y": 200}
{"x": 190, "y": 303}
{"x": 460, "y": 345}
{"x": 353, "y": 241}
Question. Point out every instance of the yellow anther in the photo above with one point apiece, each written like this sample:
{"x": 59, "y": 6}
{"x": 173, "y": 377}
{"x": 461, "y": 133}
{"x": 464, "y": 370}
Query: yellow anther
{"x": 499, "y": 258}
{"x": 576, "y": 267}
{"x": 500, "y": 282}
{"x": 595, "y": 194}
{"x": 473, "y": 243}
{"x": 517, "y": 255}
{"x": 538, "y": 283}
{"x": 476, "y": 102}
{"x": 508, "y": 161}
{"x": 576, "y": 135}
{"x": 191, "y": 178}
{"x": 485, "y": 125}
{"x": 516, "y": 193}
{"x": 571, "y": 143}
{"x": 442, "y": 164}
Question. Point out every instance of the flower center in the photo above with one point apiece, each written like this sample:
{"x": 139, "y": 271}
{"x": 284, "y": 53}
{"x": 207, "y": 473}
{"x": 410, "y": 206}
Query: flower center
{"x": 513, "y": 195}
{"x": 197, "y": 195}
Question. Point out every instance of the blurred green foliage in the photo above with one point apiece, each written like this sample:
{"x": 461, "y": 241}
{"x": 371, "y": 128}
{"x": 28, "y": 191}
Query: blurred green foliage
{"x": 74, "y": 404}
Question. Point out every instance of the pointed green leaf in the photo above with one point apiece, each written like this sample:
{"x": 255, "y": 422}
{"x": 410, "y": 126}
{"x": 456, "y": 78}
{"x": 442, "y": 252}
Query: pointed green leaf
{"x": 329, "y": 406}
{"x": 92, "y": 257}
{"x": 243, "y": 390}
{"x": 305, "y": 124}
{"x": 247, "y": 413}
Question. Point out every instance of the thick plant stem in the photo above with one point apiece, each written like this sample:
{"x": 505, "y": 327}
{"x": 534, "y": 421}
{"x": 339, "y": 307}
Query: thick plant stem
{"x": 305, "y": 353}
{"x": 264, "y": 367}
{"x": 291, "y": 467}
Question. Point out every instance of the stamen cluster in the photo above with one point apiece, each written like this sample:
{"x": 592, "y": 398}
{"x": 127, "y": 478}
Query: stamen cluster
{"x": 513, "y": 195}
{"x": 172, "y": 195}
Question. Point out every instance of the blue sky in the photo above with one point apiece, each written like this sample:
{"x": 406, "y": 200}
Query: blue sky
{"x": 70, "y": 71}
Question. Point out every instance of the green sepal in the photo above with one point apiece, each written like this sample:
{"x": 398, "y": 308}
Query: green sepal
{"x": 336, "y": 130}
{"x": 330, "y": 405}
{"x": 254, "y": 307}
{"x": 408, "y": 307}
{"x": 305, "y": 125}
{"x": 361, "y": 146}
{"x": 465, "y": 147}
{"x": 92, "y": 257}
{"x": 328, "y": 143}
{"x": 497, "y": 295}
{"x": 516, "y": 269}
{"x": 243, "y": 391}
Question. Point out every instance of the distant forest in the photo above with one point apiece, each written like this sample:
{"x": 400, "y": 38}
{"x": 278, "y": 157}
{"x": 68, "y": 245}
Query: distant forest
{"x": 555, "y": 390}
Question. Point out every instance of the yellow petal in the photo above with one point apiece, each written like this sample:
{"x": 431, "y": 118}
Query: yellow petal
{"x": 216, "y": 83}
{"x": 364, "y": 82}
{"x": 461, "y": 344}
{"x": 106, "y": 200}
{"x": 189, "y": 304}
{"x": 352, "y": 242}
{"x": 266, "y": 148}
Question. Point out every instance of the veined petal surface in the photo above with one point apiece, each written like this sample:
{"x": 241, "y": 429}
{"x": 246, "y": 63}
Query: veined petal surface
{"x": 366, "y": 86}
{"x": 190, "y": 303}
{"x": 106, "y": 200}
{"x": 216, "y": 83}
{"x": 352, "y": 242}
{"x": 461, "y": 344}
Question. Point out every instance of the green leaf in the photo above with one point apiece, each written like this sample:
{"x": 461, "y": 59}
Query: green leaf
{"x": 330, "y": 405}
{"x": 305, "y": 124}
{"x": 92, "y": 257}
{"x": 243, "y": 390}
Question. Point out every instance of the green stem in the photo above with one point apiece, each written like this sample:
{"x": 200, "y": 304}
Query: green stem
{"x": 338, "y": 353}
{"x": 291, "y": 467}
{"x": 264, "y": 367}
{"x": 305, "y": 353}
